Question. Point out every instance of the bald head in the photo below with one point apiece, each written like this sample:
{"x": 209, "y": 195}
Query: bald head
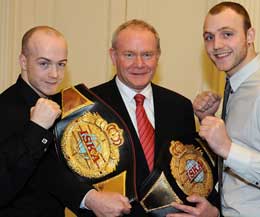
{"x": 44, "y": 30}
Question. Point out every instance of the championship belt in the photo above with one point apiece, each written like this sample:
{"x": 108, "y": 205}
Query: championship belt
{"x": 95, "y": 143}
{"x": 185, "y": 167}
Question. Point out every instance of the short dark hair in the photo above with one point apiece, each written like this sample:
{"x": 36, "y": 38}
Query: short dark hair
{"x": 238, "y": 8}
{"x": 27, "y": 35}
{"x": 136, "y": 23}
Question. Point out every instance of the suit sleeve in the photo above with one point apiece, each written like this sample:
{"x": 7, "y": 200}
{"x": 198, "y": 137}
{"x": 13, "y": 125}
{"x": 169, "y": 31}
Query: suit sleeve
{"x": 56, "y": 178}
{"x": 20, "y": 152}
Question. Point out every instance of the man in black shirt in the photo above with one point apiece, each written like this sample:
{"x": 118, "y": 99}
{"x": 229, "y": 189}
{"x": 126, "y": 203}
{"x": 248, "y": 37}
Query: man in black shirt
{"x": 26, "y": 140}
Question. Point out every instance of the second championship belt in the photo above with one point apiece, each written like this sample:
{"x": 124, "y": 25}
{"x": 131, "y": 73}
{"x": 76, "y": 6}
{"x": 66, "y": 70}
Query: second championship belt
{"x": 95, "y": 143}
{"x": 185, "y": 167}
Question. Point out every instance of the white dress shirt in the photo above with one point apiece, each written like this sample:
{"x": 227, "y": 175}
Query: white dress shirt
{"x": 128, "y": 98}
{"x": 241, "y": 189}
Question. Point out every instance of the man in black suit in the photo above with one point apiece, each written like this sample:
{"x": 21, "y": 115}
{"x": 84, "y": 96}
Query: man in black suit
{"x": 33, "y": 183}
{"x": 135, "y": 53}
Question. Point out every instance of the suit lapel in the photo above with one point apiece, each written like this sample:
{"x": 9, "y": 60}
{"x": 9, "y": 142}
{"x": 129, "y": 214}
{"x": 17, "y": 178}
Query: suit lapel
{"x": 120, "y": 107}
{"x": 158, "y": 123}
{"x": 163, "y": 124}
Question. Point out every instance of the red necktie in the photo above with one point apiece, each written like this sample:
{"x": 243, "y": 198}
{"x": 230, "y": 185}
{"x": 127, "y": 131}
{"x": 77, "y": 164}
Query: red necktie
{"x": 145, "y": 130}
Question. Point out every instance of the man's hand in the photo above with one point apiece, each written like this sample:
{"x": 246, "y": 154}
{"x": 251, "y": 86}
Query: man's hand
{"x": 45, "y": 112}
{"x": 206, "y": 104}
{"x": 202, "y": 209}
{"x": 213, "y": 129}
{"x": 107, "y": 204}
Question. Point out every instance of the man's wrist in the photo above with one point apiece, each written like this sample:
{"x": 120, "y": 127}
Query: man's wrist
{"x": 84, "y": 202}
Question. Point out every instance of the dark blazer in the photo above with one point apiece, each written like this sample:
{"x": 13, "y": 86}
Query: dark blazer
{"x": 173, "y": 119}
{"x": 33, "y": 182}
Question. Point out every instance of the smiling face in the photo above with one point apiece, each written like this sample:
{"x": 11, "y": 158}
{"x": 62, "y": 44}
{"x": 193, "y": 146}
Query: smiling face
{"x": 135, "y": 57}
{"x": 43, "y": 66}
{"x": 226, "y": 42}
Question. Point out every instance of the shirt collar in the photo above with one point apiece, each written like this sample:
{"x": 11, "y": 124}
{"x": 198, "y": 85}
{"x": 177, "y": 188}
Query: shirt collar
{"x": 243, "y": 74}
{"x": 27, "y": 92}
{"x": 129, "y": 93}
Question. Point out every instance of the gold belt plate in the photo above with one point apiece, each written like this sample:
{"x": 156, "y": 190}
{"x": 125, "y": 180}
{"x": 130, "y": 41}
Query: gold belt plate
{"x": 91, "y": 145}
{"x": 190, "y": 170}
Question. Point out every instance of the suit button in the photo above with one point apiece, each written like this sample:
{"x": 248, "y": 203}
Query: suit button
{"x": 44, "y": 141}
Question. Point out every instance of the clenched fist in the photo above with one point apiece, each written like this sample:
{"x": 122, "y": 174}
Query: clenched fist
{"x": 206, "y": 104}
{"x": 45, "y": 112}
{"x": 213, "y": 129}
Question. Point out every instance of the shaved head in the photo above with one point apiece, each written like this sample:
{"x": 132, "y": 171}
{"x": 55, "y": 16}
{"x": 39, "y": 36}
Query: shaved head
{"x": 29, "y": 34}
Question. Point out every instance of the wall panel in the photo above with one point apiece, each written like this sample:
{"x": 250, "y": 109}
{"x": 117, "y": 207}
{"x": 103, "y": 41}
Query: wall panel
{"x": 180, "y": 66}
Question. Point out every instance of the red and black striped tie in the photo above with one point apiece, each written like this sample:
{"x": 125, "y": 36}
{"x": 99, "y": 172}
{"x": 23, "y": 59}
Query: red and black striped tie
{"x": 145, "y": 130}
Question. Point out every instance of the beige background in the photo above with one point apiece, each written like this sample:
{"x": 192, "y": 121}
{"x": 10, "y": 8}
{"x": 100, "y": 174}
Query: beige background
{"x": 88, "y": 26}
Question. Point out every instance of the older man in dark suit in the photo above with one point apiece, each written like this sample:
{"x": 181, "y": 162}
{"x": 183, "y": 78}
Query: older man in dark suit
{"x": 135, "y": 53}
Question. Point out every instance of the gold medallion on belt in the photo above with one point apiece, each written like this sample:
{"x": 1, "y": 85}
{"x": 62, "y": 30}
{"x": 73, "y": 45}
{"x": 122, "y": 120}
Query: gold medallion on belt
{"x": 190, "y": 170}
{"x": 91, "y": 145}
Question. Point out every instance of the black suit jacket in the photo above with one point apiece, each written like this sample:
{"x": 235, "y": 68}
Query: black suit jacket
{"x": 173, "y": 119}
{"x": 33, "y": 182}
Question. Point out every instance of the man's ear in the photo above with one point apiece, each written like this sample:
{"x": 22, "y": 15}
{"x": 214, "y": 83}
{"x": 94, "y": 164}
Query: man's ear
{"x": 250, "y": 36}
{"x": 23, "y": 62}
{"x": 113, "y": 55}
